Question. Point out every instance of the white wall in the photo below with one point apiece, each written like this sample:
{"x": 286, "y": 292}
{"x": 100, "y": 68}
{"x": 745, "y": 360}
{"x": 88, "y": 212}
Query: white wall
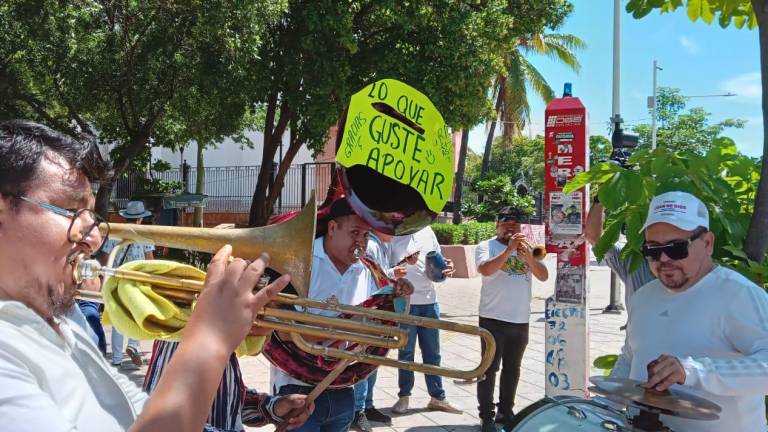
{"x": 228, "y": 153}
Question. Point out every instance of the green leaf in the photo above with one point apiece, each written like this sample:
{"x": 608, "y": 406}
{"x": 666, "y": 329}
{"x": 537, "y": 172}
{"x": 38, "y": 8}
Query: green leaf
{"x": 605, "y": 361}
{"x": 736, "y": 251}
{"x": 608, "y": 238}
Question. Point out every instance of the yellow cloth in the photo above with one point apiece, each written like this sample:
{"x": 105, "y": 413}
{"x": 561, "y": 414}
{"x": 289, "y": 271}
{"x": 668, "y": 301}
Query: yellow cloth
{"x": 136, "y": 311}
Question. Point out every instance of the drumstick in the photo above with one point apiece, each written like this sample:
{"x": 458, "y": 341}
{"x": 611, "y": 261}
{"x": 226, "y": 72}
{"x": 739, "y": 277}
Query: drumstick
{"x": 319, "y": 388}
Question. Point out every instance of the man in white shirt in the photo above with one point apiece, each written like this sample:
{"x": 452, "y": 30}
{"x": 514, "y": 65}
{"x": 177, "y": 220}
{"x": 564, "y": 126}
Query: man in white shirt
{"x": 506, "y": 266}
{"x": 699, "y": 326}
{"x": 379, "y": 249}
{"x": 52, "y": 376}
{"x": 338, "y": 273}
{"x": 423, "y": 303}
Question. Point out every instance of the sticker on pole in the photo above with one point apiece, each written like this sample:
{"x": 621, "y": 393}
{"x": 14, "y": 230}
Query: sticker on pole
{"x": 395, "y": 130}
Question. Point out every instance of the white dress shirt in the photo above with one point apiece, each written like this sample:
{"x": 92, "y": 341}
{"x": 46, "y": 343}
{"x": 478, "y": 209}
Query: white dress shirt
{"x": 58, "y": 382}
{"x": 351, "y": 288}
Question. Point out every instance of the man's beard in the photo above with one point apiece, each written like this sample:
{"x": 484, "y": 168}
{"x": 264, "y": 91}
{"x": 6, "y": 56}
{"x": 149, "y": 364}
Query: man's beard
{"x": 672, "y": 283}
{"x": 61, "y": 300}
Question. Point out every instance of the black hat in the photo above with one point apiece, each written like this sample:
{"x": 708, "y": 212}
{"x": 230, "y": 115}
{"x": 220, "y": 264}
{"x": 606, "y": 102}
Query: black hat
{"x": 340, "y": 208}
{"x": 509, "y": 213}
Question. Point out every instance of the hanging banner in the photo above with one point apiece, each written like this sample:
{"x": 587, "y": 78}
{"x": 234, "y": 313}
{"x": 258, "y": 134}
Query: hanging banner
{"x": 567, "y": 321}
{"x": 395, "y": 130}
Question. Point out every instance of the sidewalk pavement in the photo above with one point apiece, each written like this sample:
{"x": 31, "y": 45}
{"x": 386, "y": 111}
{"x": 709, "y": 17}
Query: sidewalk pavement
{"x": 459, "y": 300}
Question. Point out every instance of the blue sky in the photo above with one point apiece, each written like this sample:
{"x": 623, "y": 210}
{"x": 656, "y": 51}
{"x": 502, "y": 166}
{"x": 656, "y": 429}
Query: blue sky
{"x": 697, "y": 58}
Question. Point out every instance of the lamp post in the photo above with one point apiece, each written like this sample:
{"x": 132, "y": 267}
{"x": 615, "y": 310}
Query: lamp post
{"x": 652, "y": 106}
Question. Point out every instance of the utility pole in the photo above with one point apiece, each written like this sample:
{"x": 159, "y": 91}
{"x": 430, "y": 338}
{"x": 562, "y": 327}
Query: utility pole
{"x": 652, "y": 106}
{"x": 615, "y": 306}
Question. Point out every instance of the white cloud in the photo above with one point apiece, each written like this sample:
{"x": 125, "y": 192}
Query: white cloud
{"x": 691, "y": 46}
{"x": 745, "y": 85}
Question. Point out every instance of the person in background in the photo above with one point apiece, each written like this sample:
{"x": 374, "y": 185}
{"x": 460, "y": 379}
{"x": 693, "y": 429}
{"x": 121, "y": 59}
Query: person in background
{"x": 379, "y": 250}
{"x": 134, "y": 212}
{"x": 632, "y": 280}
{"x": 90, "y": 313}
{"x": 507, "y": 266}
{"x": 423, "y": 303}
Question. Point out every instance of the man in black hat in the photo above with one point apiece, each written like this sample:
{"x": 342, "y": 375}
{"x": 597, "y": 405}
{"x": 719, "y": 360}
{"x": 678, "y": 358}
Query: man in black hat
{"x": 506, "y": 265}
{"x": 338, "y": 274}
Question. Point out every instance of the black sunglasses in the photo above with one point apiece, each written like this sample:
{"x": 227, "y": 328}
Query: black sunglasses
{"x": 676, "y": 250}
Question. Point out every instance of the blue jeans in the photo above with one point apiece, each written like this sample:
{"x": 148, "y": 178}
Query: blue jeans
{"x": 334, "y": 409}
{"x": 91, "y": 312}
{"x": 117, "y": 346}
{"x": 364, "y": 393}
{"x": 429, "y": 342}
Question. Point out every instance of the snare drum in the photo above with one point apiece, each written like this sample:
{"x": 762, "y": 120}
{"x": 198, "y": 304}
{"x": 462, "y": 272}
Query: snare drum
{"x": 567, "y": 413}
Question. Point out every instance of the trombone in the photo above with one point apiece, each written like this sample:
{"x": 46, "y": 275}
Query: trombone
{"x": 289, "y": 245}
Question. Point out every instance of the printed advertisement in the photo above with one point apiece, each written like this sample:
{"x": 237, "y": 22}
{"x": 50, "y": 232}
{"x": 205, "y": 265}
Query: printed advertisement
{"x": 565, "y": 213}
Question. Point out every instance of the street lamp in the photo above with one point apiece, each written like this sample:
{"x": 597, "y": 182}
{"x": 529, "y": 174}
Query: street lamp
{"x": 652, "y": 106}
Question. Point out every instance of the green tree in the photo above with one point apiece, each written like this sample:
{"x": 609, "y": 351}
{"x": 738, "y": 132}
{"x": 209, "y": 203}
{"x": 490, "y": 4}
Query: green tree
{"x": 742, "y": 13}
{"x": 599, "y": 149}
{"x": 498, "y": 192}
{"x": 321, "y": 52}
{"x": 122, "y": 71}
{"x": 682, "y": 131}
{"x": 510, "y": 88}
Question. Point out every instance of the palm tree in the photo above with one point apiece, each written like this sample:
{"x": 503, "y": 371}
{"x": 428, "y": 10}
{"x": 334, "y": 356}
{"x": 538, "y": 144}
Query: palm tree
{"x": 510, "y": 90}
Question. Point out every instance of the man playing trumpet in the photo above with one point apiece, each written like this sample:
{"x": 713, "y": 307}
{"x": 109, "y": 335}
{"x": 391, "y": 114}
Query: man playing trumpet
{"x": 506, "y": 264}
{"x": 52, "y": 376}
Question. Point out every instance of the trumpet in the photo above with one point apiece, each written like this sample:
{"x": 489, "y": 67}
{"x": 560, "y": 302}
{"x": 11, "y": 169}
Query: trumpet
{"x": 274, "y": 240}
{"x": 538, "y": 252}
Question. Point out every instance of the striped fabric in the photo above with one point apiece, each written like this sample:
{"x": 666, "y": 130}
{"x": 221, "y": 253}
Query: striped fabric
{"x": 230, "y": 396}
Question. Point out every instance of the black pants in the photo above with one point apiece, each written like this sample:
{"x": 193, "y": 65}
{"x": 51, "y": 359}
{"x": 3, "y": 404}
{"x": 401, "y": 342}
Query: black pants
{"x": 511, "y": 339}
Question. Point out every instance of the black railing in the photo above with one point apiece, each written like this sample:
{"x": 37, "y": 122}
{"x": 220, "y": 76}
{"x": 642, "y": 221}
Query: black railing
{"x": 230, "y": 188}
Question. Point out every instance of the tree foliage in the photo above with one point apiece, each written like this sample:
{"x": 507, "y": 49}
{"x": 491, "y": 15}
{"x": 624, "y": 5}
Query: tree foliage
{"x": 130, "y": 72}
{"x": 743, "y": 13}
{"x": 680, "y": 130}
{"x": 723, "y": 179}
{"x": 738, "y": 12}
{"x": 321, "y": 52}
{"x": 497, "y": 192}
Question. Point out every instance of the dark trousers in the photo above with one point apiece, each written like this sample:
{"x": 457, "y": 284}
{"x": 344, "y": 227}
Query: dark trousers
{"x": 511, "y": 339}
{"x": 91, "y": 312}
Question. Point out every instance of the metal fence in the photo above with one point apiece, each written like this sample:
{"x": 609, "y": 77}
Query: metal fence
{"x": 230, "y": 188}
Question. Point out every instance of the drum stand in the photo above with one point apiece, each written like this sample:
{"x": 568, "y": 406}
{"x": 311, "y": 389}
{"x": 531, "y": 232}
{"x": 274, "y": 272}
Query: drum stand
{"x": 648, "y": 421}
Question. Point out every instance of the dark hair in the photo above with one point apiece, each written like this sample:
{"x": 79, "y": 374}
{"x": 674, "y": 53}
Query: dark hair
{"x": 24, "y": 143}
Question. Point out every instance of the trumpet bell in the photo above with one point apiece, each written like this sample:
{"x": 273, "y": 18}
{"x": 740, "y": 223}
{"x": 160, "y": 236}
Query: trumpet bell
{"x": 288, "y": 244}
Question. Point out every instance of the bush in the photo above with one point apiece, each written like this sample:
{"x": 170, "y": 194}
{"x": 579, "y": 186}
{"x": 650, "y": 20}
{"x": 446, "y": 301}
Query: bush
{"x": 470, "y": 233}
{"x": 497, "y": 192}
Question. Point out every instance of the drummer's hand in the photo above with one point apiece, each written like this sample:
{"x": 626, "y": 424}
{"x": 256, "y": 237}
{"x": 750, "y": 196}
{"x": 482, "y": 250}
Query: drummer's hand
{"x": 293, "y": 404}
{"x": 665, "y": 371}
{"x": 400, "y": 271}
{"x": 449, "y": 268}
{"x": 403, "y": 287}
{"x": 227, "y": 304}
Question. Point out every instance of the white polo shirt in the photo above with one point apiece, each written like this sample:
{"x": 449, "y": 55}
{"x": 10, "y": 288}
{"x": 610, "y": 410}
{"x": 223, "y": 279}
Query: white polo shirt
{"x": 351, "y": 288}
{"x": 51, "y": 382}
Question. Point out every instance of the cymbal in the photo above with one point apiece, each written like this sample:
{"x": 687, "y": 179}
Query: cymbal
{"x": 671, "y": 402}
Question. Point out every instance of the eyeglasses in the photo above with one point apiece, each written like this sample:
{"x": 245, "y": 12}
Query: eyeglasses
{"x": 83, "y": 221}
{"x": 676, "y": 250}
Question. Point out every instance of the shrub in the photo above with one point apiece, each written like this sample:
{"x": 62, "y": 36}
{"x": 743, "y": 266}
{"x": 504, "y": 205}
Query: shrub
{"x": 469, "y": 233}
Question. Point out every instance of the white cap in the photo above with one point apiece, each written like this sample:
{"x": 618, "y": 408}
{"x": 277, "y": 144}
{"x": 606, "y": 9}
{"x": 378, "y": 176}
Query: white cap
{"x": 680, "y": 209}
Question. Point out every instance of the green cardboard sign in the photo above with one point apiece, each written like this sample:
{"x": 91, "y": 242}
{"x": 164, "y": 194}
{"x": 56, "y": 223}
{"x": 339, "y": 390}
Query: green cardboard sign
{"x": 395, "y": 130}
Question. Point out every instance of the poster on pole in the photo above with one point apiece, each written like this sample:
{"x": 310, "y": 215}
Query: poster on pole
{"x": 566, "y": 154}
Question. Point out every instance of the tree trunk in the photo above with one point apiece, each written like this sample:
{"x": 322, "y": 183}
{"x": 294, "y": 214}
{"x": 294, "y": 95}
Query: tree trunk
{"x": 489, "y": 141}
{"x": 103, "y": 196}
{"x": 756, "y": 241}
{"x": 199, "y": 184}
{"x": 261, "y": 209}
{"x": 460, "y": 177}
